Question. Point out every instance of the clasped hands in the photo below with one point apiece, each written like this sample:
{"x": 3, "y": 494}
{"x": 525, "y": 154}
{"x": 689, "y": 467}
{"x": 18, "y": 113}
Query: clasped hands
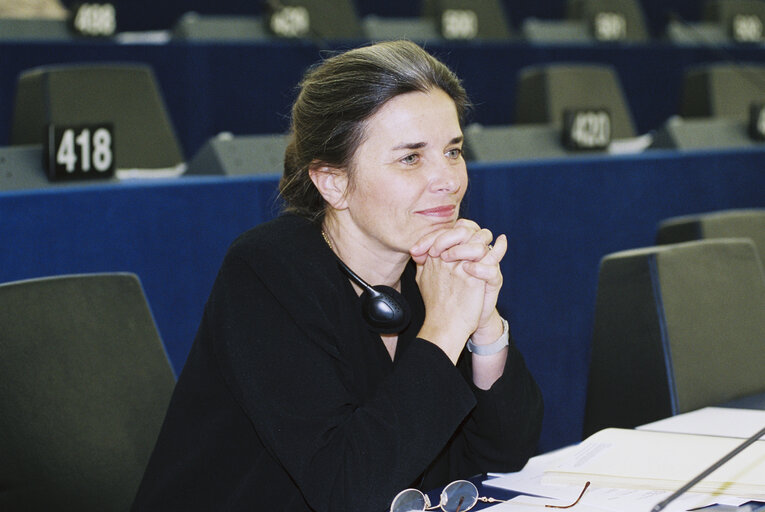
{"x": 459, "y": 278}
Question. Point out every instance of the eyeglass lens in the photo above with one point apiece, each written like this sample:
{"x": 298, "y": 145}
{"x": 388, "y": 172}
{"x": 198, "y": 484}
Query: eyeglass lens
{"x": 410, "y": 500}
{"x": 459, "y": 496}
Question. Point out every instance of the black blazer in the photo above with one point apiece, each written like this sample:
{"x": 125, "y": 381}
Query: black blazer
{"x": 287, "y": 401}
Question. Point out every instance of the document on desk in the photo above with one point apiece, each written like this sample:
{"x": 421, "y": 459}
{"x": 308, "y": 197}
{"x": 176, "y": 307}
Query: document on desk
{"x": 595, "y": 499}
{"x": 661, "y": 461}
{"x": 712, "y": 421}
{"x": 617, "y": 500}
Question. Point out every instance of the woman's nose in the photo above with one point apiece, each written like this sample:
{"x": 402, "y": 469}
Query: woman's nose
{"x": 446, "y": 177}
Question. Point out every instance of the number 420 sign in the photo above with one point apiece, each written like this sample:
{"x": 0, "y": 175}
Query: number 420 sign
{"x": 80, "y": 152}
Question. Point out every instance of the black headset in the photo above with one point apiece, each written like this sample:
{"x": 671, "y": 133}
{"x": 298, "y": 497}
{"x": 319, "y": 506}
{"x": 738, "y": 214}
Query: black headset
{"x": 384, "y": 309}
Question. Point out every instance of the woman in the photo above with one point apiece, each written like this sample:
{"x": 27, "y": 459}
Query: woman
{"x": 289, "y": 400}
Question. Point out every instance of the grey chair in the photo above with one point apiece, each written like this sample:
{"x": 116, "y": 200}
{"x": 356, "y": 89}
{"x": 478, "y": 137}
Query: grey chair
{"x": 84, "y": 385}
{"x": 512, "y": 142}
{"x": 469, "y": 19}
{"x": 722, "y": 90}
{"x": 545, "y": 91}
{"x": 591, "y": 21}
{"x": 720, "y": 107}
{"x": 240, "y": 155}
{"x": 741, "y": 20}
{"x": 126, "y": 95}
{"x": 722, "y": 22}
{"x": 543, "y": 95}
{"x": 677, "y": 327}
{"x": 545, "y": 31}
{"x": 415, "y": 28}
{"x": 739, "y": 223}
{"x": 689, "y": 134}
{"x": 34, "y": 29}
{"x": 22, "y": 168}
{"x": 610, "y": 20}
{"x": 313, "y": 19}
{"x": 193, "y": 26}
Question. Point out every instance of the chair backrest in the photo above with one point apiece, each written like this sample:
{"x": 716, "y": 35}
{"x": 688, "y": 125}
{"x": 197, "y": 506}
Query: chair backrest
{"x": 610, "y": 20}
{"x": 314, "y": 19}
{"x": 416, "y": 28}
{"x": 513, "y": 142}
{"x": 193, "y": 26}
{"x": 240, "y": 155}
{"x": 705, "y": 33}
{"x": 468, "y": 19}
{"x": 742, "y": 20}
{"x": 677, "y": 327}
{"x": 703, "y": 133}
{"x": 736, "y": 223}
{"x": 34, "y": 29}
{"x": 538, "y": 30}
{"x": 84, "y": 385}
{"x": 722, "y": 90}
{"x": 546, "y": 91}
{"x": 126, "y": 95}
{"x": 21, "y": 167}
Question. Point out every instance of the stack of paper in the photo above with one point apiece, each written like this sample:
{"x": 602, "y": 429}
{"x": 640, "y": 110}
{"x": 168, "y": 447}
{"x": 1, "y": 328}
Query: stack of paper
{"x": 633, "y": 470}
{"x": 637, "y": 459}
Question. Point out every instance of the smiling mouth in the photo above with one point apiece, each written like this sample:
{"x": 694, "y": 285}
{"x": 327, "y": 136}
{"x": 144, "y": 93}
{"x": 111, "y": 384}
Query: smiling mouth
{"x": 439, "y": 211}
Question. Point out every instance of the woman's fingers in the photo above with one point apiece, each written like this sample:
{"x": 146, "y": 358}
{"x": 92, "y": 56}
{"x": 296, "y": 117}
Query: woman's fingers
{"x": 474, "y": 249}
{"x": 436, "y": 242}
{"x": 487, "y": 269}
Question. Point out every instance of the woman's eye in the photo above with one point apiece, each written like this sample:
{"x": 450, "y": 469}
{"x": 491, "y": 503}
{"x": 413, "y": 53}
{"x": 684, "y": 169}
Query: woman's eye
{"x": 410, "y": 159}
{"x": 454, "y": 153}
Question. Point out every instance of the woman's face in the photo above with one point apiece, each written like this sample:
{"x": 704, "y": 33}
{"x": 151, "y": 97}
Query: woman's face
{"x": 409, "y": 176}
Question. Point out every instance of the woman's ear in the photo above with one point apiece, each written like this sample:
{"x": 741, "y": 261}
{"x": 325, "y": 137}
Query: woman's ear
{"x": 332, "y": 184}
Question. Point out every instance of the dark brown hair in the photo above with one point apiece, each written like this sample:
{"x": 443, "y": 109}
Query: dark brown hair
{"x": 337, "y": 96}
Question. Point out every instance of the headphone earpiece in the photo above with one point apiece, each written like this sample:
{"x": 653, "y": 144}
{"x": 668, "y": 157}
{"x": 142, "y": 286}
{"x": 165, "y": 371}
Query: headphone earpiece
{"x": 384, "y": 309}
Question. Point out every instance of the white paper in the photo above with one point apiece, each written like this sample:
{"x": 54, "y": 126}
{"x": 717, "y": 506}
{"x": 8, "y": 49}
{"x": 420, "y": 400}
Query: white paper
{"x": 712, "y": 421}
{"x": 638, "y": 459}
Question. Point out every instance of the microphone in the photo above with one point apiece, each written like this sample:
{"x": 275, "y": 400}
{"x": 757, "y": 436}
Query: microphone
{"x": 384, "y": 309}
{"x": 701, "y": 476}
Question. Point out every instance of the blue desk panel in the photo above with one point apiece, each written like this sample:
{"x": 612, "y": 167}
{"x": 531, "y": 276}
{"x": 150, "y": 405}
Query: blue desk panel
{"x": 561, "y": 217}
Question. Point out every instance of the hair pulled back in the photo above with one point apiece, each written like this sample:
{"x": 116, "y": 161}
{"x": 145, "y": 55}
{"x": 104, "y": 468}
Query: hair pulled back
{"x": 337, "y": 96}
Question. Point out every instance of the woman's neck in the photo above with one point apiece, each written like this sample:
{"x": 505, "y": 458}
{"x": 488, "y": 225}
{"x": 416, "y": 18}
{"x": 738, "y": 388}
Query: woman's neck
{"x": 371, "y": 260}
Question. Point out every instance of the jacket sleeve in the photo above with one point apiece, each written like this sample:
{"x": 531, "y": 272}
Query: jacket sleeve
{"x": 288, "y": 379}
{"x": 501, "y": 433}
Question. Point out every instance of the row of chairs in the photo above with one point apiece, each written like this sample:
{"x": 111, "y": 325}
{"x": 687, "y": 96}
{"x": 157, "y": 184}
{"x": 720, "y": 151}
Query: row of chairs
{"x": 585, "y": 21}
{"x": 85, "y": 382}
{"x": 680, "y": 325}
{"x": 722, "y": 106}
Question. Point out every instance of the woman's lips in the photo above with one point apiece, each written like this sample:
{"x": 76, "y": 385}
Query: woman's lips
{"x": 438, "y": 211}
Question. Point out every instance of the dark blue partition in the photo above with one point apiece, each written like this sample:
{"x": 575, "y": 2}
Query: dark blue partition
{"x": 560, "y": 216}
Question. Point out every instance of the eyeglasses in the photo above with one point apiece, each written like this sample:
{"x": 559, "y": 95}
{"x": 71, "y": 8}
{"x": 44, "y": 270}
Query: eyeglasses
{"x": 458, "y": 496}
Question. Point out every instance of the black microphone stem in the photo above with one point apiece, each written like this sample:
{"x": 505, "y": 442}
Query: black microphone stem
{"x": 661, "y": 505}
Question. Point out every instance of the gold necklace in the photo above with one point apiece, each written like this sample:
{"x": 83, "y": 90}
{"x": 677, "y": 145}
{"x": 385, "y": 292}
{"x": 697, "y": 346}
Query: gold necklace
{"x": 326, "y": 239}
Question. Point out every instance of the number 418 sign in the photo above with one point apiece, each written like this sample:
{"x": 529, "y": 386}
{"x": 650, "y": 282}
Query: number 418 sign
{"x": 80, "y": 152}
